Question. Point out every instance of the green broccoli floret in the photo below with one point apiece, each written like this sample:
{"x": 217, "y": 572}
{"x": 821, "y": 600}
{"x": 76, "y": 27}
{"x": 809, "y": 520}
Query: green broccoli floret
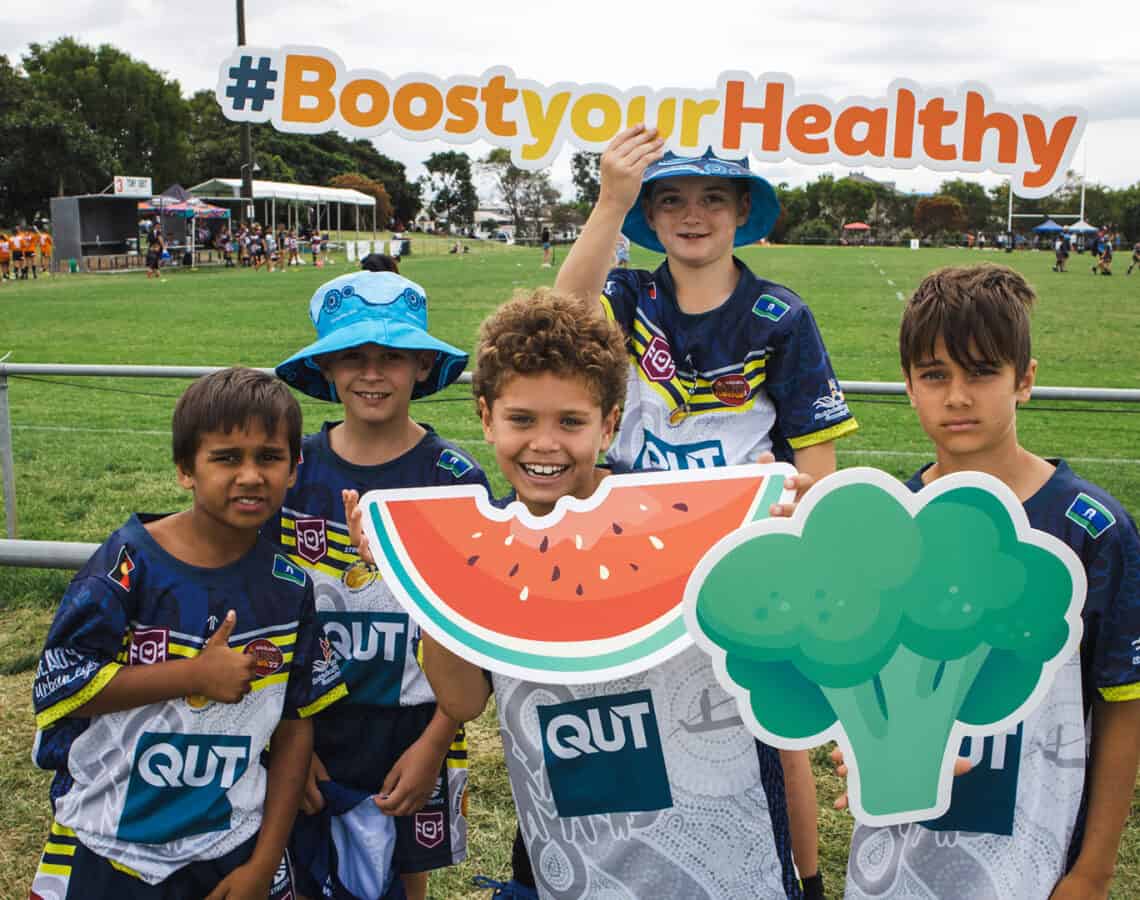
{"x": 896, "y": 626}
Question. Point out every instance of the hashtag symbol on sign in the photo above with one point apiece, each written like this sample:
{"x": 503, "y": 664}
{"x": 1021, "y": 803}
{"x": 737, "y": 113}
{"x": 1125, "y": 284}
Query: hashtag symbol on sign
{"x": 252, "y": 83}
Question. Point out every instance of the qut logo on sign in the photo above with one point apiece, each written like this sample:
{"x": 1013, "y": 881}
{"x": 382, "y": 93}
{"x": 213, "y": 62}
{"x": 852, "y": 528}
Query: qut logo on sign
{"x": 372, "y": 647}
{"x": 178, "y": 785}
{"x": 658, "y": 454}
{"x": 604, "y": 755}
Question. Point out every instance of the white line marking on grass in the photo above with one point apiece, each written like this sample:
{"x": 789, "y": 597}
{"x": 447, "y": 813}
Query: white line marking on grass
{"x": 898, "y": 294}
{"x": 919, "y": 454}
{"x": 891, "y": 283}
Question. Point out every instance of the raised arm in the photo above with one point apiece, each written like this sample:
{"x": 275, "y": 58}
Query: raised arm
{"x": 623, "y": 163}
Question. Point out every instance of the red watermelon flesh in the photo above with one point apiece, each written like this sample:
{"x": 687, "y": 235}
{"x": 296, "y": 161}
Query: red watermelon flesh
{"x": 590, "y": 575}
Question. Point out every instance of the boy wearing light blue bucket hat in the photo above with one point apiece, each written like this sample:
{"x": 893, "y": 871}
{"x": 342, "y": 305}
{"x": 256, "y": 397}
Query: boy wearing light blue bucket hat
{"x": 374, "y": 355}
{"x": 723, "y": 365}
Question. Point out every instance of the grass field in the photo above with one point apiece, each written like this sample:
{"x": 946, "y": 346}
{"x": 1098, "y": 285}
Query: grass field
{"x": 90, "y": 451}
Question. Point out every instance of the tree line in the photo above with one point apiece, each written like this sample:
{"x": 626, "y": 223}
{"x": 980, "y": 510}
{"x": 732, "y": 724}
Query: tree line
{"x": 73, "y": 116}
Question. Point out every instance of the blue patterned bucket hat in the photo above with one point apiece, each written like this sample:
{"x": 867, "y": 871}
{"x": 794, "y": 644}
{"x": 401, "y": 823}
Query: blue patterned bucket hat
{"x": 370, "y": 308}
{"x": 765, "y": 206}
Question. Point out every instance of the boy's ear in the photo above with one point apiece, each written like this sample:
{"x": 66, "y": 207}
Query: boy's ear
{"x": 485, "y": 418}
{"x": 1025, "y": 386}
{"x": 743, "y": 208}
{"x": 185, "y": 477}
{"x": 609, "y": 427}
{"x": 425, "y": 361}
{"x": 909, "y": 386}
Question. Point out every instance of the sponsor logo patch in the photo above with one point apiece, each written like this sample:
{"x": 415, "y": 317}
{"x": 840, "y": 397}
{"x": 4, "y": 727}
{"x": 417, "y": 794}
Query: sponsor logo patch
{"x": 456, "y": 464}
{"x": 1092, "y": 516}
{"x": 286, "y": 571}
{"x": 731, "y": 390}
{"x": 657, "y": 361}
{"x": 312, "y": 542}
{"x": 370, "y": 648}
{"x": 658, "y": 454}
{"x": 770, "y": 308}
{"x": 268, "y": 656}
{"x": 832, "y": 405}
{"x": 603, "y": 755}
{"x": 148, "y": 645}
{"x": 121, "y": 572}
{"x": 429, "y": 829}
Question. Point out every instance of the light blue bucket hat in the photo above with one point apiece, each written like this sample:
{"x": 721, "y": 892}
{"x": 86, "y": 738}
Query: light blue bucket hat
{"x": 370, "y": 308}
{"x": 765, "y": 205}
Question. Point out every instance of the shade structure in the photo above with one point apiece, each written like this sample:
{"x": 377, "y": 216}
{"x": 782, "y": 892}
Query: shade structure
{"x": 1048, "y": 227}
{"x": 856, "y": 226}
{"x": 188, "y": 209}
{"x": 1081, "y": 227}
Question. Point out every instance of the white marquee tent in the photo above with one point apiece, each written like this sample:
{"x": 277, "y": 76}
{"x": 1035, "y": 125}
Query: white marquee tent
{"x": 297, "y": 200}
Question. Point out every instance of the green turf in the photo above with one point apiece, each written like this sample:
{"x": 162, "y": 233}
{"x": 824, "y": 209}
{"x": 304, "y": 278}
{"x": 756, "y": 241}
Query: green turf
{"x": 91, "y": 451}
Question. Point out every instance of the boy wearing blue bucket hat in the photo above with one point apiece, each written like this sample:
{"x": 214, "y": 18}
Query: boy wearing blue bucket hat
{"x": 724, "y": 365}
{"x": 374, "y": 355}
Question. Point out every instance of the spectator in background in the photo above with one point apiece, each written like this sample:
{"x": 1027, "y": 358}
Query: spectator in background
{"x": 547, "y": 249}
{"x": 5, "y": 256}
{"x": 621, "y": 252}
{"x": 45, "y": 252}
{"x": 155, "y": 246}
{"x": 1131, "y": 266}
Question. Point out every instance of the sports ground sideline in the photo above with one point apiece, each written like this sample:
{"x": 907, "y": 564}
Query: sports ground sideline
{"x": 89, "y": 451}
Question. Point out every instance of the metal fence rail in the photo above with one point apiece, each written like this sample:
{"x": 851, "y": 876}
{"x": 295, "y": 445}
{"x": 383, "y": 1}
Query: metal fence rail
{"x": 67, "y": 555}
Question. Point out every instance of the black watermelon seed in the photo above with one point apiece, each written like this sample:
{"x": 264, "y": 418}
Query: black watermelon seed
{"x": 555, "y": 575}
{"x": 616, "y": 527}
{"x": 514, "y": 569}
{"x": 634, "y": 566}
{"x": 545, "y": 543}
{"x": 578, "y": 590}
{"x": 471, "y": 560}
{"x": 683, "y": 507}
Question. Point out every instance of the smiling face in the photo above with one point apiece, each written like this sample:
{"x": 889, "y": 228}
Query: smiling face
{"x": 375, "y": 383}
{"x": 239, "y": 477}
{"x": 547, "y": 431}
{"x": 969, "y": 413}
{"x": 695, "y": 217}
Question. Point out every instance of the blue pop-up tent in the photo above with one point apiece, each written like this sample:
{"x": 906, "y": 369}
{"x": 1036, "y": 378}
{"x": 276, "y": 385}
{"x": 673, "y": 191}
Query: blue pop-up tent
{"x": 1048, "y": 227}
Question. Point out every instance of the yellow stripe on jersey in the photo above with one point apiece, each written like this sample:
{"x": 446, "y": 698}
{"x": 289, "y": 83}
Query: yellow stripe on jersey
{"x": 126, "y": 870}
{"x": 330, "y": 553}
{"x": 183, "y": 650}
{"x": 331, "y": 531}
{"x": 62, "y": 830}
{"x": 822, "y": 437}
{"x": 607, "y": 307}
{"x": 341, "y": 690}
{"x": 277, "y": 678}
{"x": 313, "y": 567}
{"x": 53, "y": 869}
{"x": 53, "y": 714}
{"x": 60, "y": 849}
{"x": 1121, "y": 693}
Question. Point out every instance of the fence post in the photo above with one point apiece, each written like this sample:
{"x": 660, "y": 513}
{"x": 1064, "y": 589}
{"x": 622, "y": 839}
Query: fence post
{"x": 6, "y": 463}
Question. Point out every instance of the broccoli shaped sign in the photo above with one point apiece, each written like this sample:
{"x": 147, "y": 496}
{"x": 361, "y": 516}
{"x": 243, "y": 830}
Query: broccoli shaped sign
{"x": 894, "y": 623}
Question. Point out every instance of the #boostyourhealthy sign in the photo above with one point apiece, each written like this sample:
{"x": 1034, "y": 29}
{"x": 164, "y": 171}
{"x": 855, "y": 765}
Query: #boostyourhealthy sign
{"x": 310, "y": 90}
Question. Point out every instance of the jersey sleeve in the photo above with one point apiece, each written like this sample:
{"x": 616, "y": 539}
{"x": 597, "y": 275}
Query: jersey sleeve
{"x": 83, "y": 644}
{"x": 1114, "y": 587}
{"x": 314, "y": 675}
{"x": 810, "y": 407}
{"x": 455, "y": 467}
{"x": 619, "y": 297}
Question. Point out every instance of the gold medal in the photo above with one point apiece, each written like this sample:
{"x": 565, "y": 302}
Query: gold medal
{"x": 677, "y": 416}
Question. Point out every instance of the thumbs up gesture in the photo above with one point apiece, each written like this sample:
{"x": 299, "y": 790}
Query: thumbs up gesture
{"x": 224, "y": 674}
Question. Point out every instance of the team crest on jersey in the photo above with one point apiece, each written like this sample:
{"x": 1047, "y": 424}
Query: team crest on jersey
{"x": 770, "y": 308}
{"x": 429, "y": 829}
{"x": 312, "y": 540}
{"x": 148, "y": 645}
{"x": 268, "y": 656}
{"x": 658, "y": 454}
{"x": 359, "y": 575}
{"x": 731, "y": 390}
{"x": 657, "y": 361}
{"x": 603, "y": 755}
{"x": 1093, "y": 517}
{"x": 286, "y": 571}
{"x": 452, "y": 462}
{"x": 124, "y": 566}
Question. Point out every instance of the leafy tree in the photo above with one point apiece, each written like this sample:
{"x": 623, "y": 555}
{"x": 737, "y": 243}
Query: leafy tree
{"x": 366, "y": 185}
{"x": 852, "y": 200}
{"x": 975, "y": 202}
{"x": 526, "y": 195}
{"x": 453, "y": 197}
{"x": 585, "y": 171}
{"x": 938, "y": 213}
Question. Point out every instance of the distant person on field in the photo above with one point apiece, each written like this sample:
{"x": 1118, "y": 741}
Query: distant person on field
{"x": 1135, "y": 258}
{"x": 155, "y": 246}
{"x": 547, "y": 249}
{"x": 181, "y": 650}
{"x": 5, "y": 256}
{"x": 46, "y": 250}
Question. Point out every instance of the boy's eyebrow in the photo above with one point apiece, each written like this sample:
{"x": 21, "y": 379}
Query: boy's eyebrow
{"x": 928, "y": 363}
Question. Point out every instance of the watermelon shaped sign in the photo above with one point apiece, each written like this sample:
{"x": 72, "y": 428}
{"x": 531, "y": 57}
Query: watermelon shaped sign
{"x": 588, "y": 593}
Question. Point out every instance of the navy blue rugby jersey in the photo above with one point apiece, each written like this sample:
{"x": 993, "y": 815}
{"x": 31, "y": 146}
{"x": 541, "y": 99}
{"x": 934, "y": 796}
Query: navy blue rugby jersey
{"x": 366, "y": 629}
{"x": 719, "y": 387}
{"x": 160, "y": 785}
{"x": 1016, "y": 819}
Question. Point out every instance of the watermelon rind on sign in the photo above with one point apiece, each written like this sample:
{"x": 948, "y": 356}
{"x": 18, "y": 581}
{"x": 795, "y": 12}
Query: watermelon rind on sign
{"x": 590, "y": 592}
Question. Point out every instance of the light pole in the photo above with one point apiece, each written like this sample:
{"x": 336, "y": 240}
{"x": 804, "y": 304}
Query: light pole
{"x": 247, "y": 167}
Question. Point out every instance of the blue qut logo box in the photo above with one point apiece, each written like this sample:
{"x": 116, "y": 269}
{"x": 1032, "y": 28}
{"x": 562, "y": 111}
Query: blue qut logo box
{"x": 603, "y": 755}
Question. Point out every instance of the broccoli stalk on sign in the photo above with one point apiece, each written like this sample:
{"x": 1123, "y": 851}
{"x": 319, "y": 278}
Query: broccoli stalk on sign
{"x": 903, "y": 627}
